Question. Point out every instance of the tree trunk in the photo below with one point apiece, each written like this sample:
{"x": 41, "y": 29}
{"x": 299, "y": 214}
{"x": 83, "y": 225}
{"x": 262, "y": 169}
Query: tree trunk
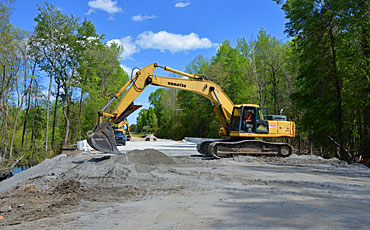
{"x": 12, "y": 136}
{"x": 338, "y": 88}
{"x": 259, "y": 88}
{"x": 310, "y": 145}
{"x": 79, "y": 115}
{"x": 366, "y": 52}
{"x": 35, "y": 113}
{"x": 48, "y": 105}
{"x": 25, "y": 119}
{"x": 275, "y": 90}
{"x": 67, "y": 108}
{"x": 28, "y": 106}
{"x": 4, "y": 143}
{"x": 66, "y": 112}
{"x": 80, "y": 108}
{"x": 2, "y": 92}
{"x": 366, "y": 133}
{"x": 2, "y": 102}
{"x": 20, "y": 102}
{"x": 55, "y": 114}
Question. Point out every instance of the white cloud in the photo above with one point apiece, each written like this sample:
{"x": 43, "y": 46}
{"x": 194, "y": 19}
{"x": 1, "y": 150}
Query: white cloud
{"x": 108, "y": 6}
{"x": 172, "y": 42}
{"x": 128, "y": 45}
{"x": 182, "y": 4}
{"x": 126, "y": 69}
{"x": 163, "y": 41}
{"x": 46, "y": 92}
{"x": 140, "y": 18}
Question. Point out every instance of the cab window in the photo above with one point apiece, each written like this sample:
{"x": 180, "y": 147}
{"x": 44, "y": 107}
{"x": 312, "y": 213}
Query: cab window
{"x": 118, "y": 133}
{"x": 235, "y": 121}
{"x": 262, "y": 122}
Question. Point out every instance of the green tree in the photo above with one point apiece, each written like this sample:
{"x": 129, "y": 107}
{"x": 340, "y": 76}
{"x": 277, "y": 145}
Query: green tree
{"x": 104, "y": 77}
{"x": 89, "y": 40}
{"x": 133, "y": 128}
{"x": 331, "y": 38}
{"x": 227, "y": 72}
{"x": 48, "y": 44}
{"x": 6, "y": 53}
{"x": 23, "y": 79}
{"x": 145, "y": 120}
{"x": 155, "y": 100}
{"x": 197, "y": 118}
{"x": 270, "y": 57}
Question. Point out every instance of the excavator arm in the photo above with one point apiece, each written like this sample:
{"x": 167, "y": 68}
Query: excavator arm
{"x": 102, "y": 138}
{"x": 122, "y": 125}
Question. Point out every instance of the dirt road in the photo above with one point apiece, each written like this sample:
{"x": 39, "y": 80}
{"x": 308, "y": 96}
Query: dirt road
{"x": 172, "y": 187}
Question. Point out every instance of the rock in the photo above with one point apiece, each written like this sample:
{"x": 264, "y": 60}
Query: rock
{"x": 6, "y": 208}
{"x": 20, "y": 205}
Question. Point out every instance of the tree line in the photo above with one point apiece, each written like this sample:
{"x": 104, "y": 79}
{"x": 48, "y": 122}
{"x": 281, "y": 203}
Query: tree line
{"x": 320, "y": 78}
{"x": 53, "y": 79}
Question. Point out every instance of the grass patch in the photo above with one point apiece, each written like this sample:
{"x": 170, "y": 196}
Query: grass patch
{"x": 139, "y": 135}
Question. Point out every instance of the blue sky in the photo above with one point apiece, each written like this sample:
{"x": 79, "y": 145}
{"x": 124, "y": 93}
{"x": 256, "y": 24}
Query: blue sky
{"x": 169, "y": 32}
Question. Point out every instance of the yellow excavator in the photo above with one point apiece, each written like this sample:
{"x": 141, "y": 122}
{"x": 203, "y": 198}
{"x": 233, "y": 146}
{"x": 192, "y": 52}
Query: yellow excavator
{"x": 126, "y": 131}
{"x": 241, "y": 124}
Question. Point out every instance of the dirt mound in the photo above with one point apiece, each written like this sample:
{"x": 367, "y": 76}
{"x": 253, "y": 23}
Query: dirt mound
{"x": 149, "y": 157}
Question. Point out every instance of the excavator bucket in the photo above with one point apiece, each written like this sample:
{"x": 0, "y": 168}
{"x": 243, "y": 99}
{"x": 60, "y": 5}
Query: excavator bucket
{"x": 102, "y": 139}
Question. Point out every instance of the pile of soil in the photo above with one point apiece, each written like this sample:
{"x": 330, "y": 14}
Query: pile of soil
{"x": 47, "y": 191}
{"x": 148, "y": 157}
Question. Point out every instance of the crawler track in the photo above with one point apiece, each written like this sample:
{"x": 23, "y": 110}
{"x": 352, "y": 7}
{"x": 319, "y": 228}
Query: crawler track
{"x": 218, "y": 149}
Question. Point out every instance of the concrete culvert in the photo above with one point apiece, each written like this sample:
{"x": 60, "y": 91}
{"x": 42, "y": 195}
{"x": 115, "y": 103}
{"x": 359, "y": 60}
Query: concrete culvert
{"x": 149, "y": 157}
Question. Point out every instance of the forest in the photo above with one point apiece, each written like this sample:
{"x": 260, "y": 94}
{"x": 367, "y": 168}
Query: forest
{"x": 81, "y": 72}
{"x": 319, "y": 78}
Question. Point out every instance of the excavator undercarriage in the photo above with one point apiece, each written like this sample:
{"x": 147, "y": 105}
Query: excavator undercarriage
{"x": 227, "y": 148}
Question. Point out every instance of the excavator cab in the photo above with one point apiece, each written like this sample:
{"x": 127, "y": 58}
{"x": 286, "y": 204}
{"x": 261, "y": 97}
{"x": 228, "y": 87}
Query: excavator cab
{"x": 249, "y": 119}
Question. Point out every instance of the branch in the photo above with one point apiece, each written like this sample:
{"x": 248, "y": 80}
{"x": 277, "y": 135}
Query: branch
{"x": 338, "y": 145}
{"x": 11, "y": 165}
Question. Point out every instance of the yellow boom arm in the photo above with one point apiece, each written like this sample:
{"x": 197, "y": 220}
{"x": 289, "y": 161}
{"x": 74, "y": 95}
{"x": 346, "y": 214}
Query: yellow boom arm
{"x": 223, "y": 106}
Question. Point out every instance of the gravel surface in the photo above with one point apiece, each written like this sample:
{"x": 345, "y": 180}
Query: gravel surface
{"x": 168, "y": 185}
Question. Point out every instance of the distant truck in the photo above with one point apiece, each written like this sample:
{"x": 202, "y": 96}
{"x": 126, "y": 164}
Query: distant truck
{"x": 120, "y": 136}
{"x": 126, "y": 131}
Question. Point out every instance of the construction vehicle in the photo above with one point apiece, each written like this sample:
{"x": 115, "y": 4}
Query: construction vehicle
{"x": 239, "y": 133}
{"x": 119, "y": 136}
{"x": 126, "y": 131}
